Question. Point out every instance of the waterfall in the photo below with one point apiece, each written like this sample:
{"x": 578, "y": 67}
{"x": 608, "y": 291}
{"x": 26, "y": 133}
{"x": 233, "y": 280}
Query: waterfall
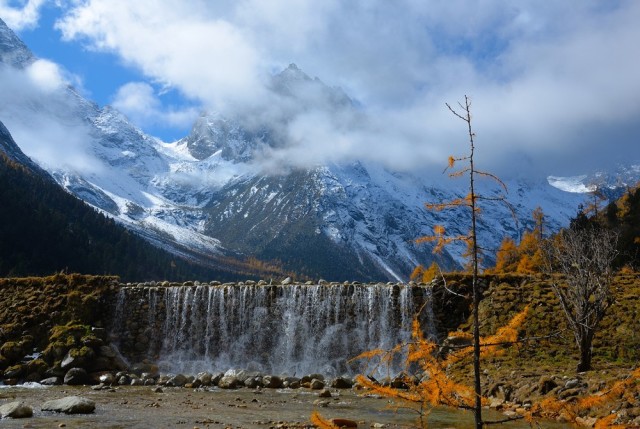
{"x": 292, "y": 329}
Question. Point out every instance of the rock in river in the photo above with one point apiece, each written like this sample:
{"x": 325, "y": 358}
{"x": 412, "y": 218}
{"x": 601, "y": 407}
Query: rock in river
{"x": 15, "y": 410}
{"x": 70, "y": 405}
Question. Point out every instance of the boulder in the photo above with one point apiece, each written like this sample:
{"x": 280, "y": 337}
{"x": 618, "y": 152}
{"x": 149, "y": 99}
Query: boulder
{"x": 325, "y": 393}
{"x": 570, "y": 393}
{"x": 70, "y": 405}
{"x": 12, "y": 350}
{"x": 523, "y": 394}
{"x": 342, "y": 383}
{"x": 77, "y": 358}
{"x": 76, "y": 377}
{"x": 124, "y": 380}
{"x": 253, "y": 382}
{"x": 272, "y": 381}
{"x": 215, "y": 378}
{"x": 177, "y": 380}
{"x": 15, "y": 410}
{"x": 573, "y": 383}
{"x": 316, "y": 384}
{"x": 91, "y": 341}
{"x": 546, "y": 384}
{"x": 240, "y": 374}
{"x": 193, "y": 384}
{"x": 308, "y": 378}
{"x": 228, "y": 382}
{"x": 291, "y": 383}
{"x": 55, "y": 371}
{"x": 204, "y": 378}
{"x": 15, "y": 371}
{"x": 51, "y": 381}
{"x": 149, "y": 375}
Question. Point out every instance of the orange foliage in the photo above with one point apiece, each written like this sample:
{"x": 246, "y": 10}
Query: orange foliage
{"x": 423, "y": 275}
{"x": 573, "y": 409}
{"x": 440, "y": 239}
{"x": 434, "y": 388}
{"x": 321, "y": 423}
{"x": 507, "y": 256}
{"x": 526, "y": 257}
{"x": 492, "y": 345}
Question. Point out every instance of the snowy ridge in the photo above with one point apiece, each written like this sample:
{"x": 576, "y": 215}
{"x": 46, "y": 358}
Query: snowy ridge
{"x": 13, "y": 51}
{"x": 613, "y": 182}
{"x": 203, "y": 195}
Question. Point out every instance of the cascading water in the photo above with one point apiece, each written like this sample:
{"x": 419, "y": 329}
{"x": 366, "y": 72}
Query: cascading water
{"x": 292, "y": 329}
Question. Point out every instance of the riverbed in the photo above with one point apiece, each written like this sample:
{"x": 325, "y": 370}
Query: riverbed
{"x": 141, "y": 407}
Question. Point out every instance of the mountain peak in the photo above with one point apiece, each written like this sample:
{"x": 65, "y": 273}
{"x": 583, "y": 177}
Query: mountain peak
{"x": 12, "y": 50}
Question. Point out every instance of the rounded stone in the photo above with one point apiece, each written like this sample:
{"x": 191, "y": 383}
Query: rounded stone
{"x": 70, "y": 405}
{"x": 76, "y": 377}
{"x": 15, "y": 410}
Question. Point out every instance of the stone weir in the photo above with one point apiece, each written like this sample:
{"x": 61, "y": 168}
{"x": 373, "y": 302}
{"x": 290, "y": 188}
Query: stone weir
{"x": 280, "y": 329}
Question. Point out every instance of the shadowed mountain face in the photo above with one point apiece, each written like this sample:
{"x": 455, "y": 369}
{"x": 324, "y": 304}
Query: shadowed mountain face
{"x": 44, "y": 230}
{"x": 208, "y": 196}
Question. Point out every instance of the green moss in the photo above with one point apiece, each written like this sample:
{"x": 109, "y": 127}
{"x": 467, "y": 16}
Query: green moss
{"x": 37, "y": 366}
{"x": 72, "y": 330}
{"x": 12, "y": 350}
{"x": 82, "y": 353}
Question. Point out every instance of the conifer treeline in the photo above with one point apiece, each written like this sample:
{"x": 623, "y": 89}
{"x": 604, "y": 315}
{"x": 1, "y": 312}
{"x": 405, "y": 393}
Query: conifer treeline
{"x": 526, "y": 257}
{"x": 621, "y": 217}
{"x": 44, "y": 230}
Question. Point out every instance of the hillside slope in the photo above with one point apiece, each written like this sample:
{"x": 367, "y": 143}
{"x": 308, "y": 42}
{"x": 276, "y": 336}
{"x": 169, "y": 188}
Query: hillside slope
{"x": 43, "y": 230}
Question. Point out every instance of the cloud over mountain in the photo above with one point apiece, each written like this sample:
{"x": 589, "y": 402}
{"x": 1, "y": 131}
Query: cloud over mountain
{"x": 550, "y": 81}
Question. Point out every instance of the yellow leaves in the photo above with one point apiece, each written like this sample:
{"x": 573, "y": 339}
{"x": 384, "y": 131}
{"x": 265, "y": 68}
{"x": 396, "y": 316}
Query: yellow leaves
{"x": 452, "y": 161}
{"x": 388, "y": 391}
{"x": 572, "y": 410}
{"x": 438, "y": 230}
{"x": 441, "y": 239}
{"x": 506, "y": 257}
{"x": 526, "y": 257}
{"x": 322, "y": 423}
{"x": 435, "y": 388}
{"x": 423, "y": 275}
{"x": 492, "y": 345}
{"x": 607, "y": 422}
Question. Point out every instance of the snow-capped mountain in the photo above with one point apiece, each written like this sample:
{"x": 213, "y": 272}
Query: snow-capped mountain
{"x": 204, "y": 196}
{"x": 609, "y": 184}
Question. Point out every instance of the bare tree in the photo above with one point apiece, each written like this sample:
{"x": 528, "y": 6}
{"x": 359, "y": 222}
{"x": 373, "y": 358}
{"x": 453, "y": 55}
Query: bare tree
{"x": 471, "y": 201}
{"x": 584, "y": 257}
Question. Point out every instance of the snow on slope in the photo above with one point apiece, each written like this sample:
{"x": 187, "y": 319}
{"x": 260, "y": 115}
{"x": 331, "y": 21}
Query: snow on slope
{"x": 202, "y": 195}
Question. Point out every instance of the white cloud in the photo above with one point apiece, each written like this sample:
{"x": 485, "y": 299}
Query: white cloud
{"x": 172, "y": 42}
{"x": 550, "y": 81}
{"x": 21, "y": 14}
{"x": 138, "y": 101}
{"x": 46, "y": 75}
{"x": 37, "y": 111}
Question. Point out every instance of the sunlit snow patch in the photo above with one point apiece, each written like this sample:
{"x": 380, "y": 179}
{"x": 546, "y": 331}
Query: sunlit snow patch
{"x": 570, "y": 184}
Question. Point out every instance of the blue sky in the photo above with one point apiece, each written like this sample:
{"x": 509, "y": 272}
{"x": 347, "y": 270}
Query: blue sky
{"x": 98, "y": 74}
{"x": 554, "y": 84}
